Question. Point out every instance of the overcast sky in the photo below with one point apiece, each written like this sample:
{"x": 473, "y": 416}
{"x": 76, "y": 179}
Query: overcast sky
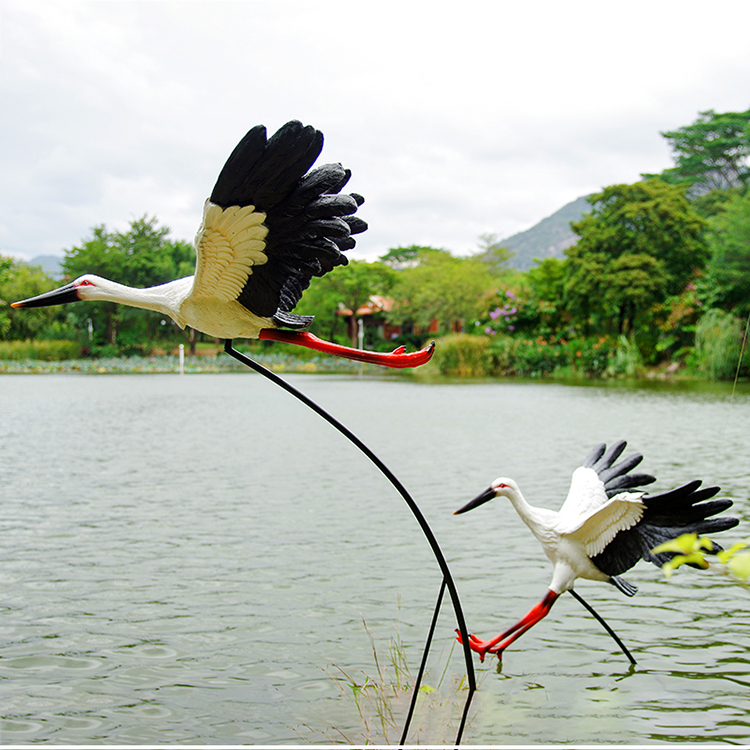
{"x": 455, "y": 118}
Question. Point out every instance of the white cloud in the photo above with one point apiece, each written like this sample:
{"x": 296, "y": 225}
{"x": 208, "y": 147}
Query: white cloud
{"x": 455, "y": 120}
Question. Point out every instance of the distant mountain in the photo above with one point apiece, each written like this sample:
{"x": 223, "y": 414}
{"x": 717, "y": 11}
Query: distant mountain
{"x": 547, "y": 239}
{"x": 50, "y": 264}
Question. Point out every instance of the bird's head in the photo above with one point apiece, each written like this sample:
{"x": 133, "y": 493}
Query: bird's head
{"x": 501, "y": 487}
{"x": 85, "y": 287}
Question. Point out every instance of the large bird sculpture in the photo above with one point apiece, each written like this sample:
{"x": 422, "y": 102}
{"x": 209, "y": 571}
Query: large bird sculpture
{"x": 604, "y": 527}
{"x": 269, "y": 226}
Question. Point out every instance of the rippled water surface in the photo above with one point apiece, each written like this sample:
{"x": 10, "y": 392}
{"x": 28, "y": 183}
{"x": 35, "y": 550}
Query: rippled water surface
{"x": 190, "y": 559}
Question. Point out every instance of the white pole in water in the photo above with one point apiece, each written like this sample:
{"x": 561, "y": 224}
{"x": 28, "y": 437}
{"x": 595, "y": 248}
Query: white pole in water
{"x": 182, "y": 359}
{"x": 361, "y": 333}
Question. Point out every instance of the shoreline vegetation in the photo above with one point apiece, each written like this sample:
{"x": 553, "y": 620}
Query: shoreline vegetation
{"x": 461, "y": 356}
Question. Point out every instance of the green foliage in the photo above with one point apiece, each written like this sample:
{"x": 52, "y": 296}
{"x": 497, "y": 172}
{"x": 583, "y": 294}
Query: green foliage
{"x": 719, "y": 343}
{"x": 640, "y": 244}
{"x": 634, "y": 289}
{"x": 46, "y": 351}
{"x": 140, "y": 257}
{"x": 399, "y": 258}
{"x": 531, "y": 358}
{"x": 20, "y": 281}
{"x": 462, "y": 355}
{"x": 494, "y": 254}
{"x": 727, "y": 283}
{"x": 627, "y": 360}
{"x": 711, "y": 153}
{"x": 441, "y": 289}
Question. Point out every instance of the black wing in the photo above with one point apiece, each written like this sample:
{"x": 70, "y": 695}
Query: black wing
{"x": 310, "y": 224}
{"x": 667, "y": 514}
{"x": 617, "y": 477}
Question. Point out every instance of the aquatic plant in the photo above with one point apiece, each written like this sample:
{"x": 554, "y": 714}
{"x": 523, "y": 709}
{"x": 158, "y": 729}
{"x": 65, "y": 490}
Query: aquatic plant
{"x": 382, "y": 700}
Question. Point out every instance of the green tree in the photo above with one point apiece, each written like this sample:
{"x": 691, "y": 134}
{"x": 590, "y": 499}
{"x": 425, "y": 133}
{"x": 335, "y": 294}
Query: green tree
{"x": 547, "y": 283}
{"x": 493, "y": 254}
{"x": 727, "y": 282}
{"x": 441, "y": 288}
{"x": 640, "y": 244}
{"x": 18, "y": 281}
{"x": 140, "y": 257}
{"x": 710, "y": 153}
{"x": 399, "y": 258}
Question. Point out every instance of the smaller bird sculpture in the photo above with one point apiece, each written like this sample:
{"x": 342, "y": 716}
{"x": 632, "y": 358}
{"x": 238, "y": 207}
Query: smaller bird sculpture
{"x": 604, "y": 527}
{"x": 269, "y": 227}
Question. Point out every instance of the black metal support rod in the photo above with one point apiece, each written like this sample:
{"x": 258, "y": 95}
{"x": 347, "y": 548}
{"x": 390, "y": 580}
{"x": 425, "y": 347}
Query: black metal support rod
{"x": 622, "y": 646}
{"x": 422, "y": 665}
{"x": 437, "y": 551}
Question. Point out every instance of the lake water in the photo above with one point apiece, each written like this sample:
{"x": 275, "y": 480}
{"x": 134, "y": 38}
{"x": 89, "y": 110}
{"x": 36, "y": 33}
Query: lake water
{"x": 193, "y": 559}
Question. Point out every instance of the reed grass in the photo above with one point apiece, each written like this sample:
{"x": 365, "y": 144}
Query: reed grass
{"x": 382, "y": 700}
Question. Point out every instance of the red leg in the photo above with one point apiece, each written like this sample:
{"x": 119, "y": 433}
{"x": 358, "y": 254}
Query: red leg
{"x": 498, "y": 644}
{"x": 397, "y": 358}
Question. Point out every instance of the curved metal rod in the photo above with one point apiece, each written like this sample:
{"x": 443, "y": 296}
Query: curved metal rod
{"x": 625, "y": 651}
{"x": 441, "y": 561}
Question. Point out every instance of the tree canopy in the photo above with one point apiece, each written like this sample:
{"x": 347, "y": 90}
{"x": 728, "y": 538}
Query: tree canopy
{"x": 641, "y": 243}
{"x": 441, "y": 289}
{"x": 710, "y": 153}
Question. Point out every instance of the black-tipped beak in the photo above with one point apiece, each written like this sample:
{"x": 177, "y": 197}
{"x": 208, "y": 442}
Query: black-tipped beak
{"x": 67, "y": 293}
{"x": 481, "y": 499}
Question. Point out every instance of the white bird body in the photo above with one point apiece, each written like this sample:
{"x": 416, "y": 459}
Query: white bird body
{"x": 585, "y": 524}
{"x": 254, "y": 261}
{"x": 599, "y": 532}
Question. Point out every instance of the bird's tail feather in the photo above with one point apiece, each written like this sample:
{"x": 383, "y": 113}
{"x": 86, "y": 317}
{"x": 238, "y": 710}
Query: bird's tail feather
{"x": 626, "y": 587}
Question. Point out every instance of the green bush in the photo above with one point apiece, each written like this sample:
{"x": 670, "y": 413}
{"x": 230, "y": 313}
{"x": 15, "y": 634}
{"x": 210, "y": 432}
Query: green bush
{"x": 590, "y": 356}
{"x": 48, "y": 351}
{"x": 718, "y": 342}
{"x": 627, "y": 360}
{"x": 462, "y": 355}
{"x": 526, "y": 358}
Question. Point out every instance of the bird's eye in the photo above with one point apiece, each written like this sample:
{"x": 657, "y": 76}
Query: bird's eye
{"x": 86, "y": 282}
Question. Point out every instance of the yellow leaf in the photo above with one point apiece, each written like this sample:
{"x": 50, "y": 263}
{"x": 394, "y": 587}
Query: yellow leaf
{"x": 684, "y": 543}
{"x": 740, "y": 565}
{"x": 727, "y": 554}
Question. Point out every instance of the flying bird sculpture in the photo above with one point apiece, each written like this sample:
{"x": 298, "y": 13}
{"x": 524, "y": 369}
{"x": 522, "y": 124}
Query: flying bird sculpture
{"x": 269, "y": 227}
{"x": 604, "y": 527}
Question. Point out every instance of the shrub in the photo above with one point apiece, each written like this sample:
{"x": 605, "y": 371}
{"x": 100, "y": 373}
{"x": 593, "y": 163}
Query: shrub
{"x": 48, "y": 351}
{"x": 526, "y": 358}
{"x": 718, "y": 343}
{"x": 590, "y": 356}
{"x": 462, "y": 355}
{"x": 627, "y": 360}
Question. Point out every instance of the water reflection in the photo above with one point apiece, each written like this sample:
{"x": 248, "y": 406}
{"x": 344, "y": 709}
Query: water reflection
{"x": 183, "y": 557}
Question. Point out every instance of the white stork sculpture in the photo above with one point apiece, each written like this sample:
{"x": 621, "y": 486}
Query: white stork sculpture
{"x": 604, "y": 527}
{"x": 268, "y": 228}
